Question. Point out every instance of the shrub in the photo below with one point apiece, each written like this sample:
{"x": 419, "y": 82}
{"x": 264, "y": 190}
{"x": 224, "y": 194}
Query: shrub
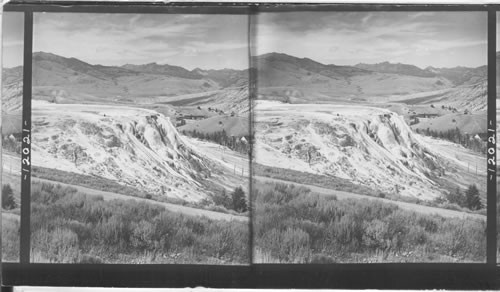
{"x": 142, "y": 235}
{"x": 90, "y": 259}
{"x": 239, "y": 202}
{"x": 322, "y": 259}
{"x": 10, "y": 239}
{"x": 374, "y": 236}
{"x": 294, "y": 225}
{"x": 456, "y": 198}
{"x": 296, "y": 245}
{"x": 69, "y": 226}
{"x": 472, "y": 200}
{"x": 8, "y": 202}
{"x": 184, "y": 237}
{"x": 222, "y": 199}
{"x": 56, "y": 246}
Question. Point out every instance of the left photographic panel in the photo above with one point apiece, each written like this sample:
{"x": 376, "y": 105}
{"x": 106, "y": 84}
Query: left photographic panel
{"x": 140, "y": 130}
{"x": 12, "y": 103}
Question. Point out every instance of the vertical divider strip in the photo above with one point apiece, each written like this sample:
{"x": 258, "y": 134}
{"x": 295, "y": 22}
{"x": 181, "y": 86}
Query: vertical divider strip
{"x": 25, "y": 239}
{"x": 251, "y": 97}
{"x": 491, "y": 222}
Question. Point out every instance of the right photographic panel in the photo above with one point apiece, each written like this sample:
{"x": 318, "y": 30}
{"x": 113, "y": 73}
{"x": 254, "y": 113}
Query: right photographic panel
{"x": 370, "y": 137}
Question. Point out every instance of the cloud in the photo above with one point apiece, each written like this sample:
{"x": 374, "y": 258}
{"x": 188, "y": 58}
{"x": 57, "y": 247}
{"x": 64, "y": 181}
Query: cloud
{"x": 116, "y": 39}
{"x": 349, "y": 38}
{"x": 12, "y": 39}
{"x": 12, "y": 43}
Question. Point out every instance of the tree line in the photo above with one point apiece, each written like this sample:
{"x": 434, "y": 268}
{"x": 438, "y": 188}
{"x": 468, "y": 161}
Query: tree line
{"x": 454, "y": 135}
{"x": 12, "y": 143}
{"x": 8, "y": 201}
{"x": 468, "y": 199}
{"x": 236, "y": 143}
{"x": 235, "y": 201}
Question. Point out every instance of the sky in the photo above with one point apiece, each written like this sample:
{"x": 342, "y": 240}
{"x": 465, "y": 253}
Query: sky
{"x": 13, "y": 39}
{"x": 498, "y": 31}
{"x": 438, "y": 39}
{"x": 203, "y": 41}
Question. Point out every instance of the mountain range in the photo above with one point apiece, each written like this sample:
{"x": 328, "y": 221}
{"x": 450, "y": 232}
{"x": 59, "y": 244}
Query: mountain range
{"x": 458, "y": 75}
{"x": 69, "y": 78}
{"x": 284, "y": 77}
{"x": 279, "y": 76}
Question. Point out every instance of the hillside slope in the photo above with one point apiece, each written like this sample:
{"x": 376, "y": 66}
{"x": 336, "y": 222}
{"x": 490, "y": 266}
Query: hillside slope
{"x": 369, "y": 146}
{"x": 64, "y": 80}
{"x": 12, "y": 96}
{"x": 300, "y": 80}
{"x": 136, "y": 147}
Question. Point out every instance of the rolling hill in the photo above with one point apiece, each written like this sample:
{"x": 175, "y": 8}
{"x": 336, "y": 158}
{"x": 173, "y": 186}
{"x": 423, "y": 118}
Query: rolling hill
{"x": 65, "y": 80}
{"x": 12, "y": 95}
{"x": 405, "y": 69}
{"x": 301, "y": 80}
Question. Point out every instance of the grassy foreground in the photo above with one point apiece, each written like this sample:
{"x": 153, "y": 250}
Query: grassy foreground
{"x": 341, "y": 184}
{"x": 10, "y": 236}
{"x": 72, "y": 227}
{"x": 293, "y": 225}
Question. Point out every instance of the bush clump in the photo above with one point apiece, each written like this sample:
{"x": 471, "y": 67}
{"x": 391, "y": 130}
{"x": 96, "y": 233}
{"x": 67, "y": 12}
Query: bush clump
{"x": 73, "y": 227}
{"x": 294, "y": 225}
{"x": 8, "y": 201}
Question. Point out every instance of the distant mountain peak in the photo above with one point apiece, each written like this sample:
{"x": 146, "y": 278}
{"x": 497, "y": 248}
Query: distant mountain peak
{"x": 165, "y": 69}
{"x": 53, "y": 70}
{"x": 396, "y": 68}
{"x": 53, "y": 57}
{"x": 274, "y": 56}
{"x": 45, "y": 54}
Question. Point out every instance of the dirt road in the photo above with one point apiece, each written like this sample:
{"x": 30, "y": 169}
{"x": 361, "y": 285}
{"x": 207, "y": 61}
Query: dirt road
{"x": 171, "y": 207}
{"x": 242, "y": 162}
{"x": 234, "y": 158}
{"x": 403, "y": 205}
{"x": 231, "y": 160}
{"x": 12, "y": 163}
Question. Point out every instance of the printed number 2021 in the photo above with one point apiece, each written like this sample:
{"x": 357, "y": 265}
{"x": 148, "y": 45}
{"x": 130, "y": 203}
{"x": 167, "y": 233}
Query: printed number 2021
{"x": 26, "y": 152}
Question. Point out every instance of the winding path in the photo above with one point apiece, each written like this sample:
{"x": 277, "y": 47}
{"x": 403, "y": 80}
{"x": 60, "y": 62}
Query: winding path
{"x": 403, "y": 205}
{"x": 12, "y": 163}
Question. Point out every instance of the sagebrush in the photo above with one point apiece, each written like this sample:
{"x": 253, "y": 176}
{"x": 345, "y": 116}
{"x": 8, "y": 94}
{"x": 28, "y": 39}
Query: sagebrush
{"x": 73, "y": 227}
{"x": 294, "y": 225}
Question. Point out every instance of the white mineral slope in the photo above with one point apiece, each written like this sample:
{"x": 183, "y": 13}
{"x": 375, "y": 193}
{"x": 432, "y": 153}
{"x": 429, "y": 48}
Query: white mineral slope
{"x": 463, "y": 167}
{"x": 369, "y": 146}
{"x": 235, "y": 166}
{"x": 135, "y": 147}
{"x": 12, "y": 168}
{"x": 12, "y": 96}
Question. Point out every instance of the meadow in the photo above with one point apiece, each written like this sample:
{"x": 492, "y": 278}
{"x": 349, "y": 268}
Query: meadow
{"x": 69, "y": 226}
{"x": 212, "y": 202}
{"x": 294, "y": 225}
{"x": 452, "y": 199}
{"x": 10, "y": 236}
